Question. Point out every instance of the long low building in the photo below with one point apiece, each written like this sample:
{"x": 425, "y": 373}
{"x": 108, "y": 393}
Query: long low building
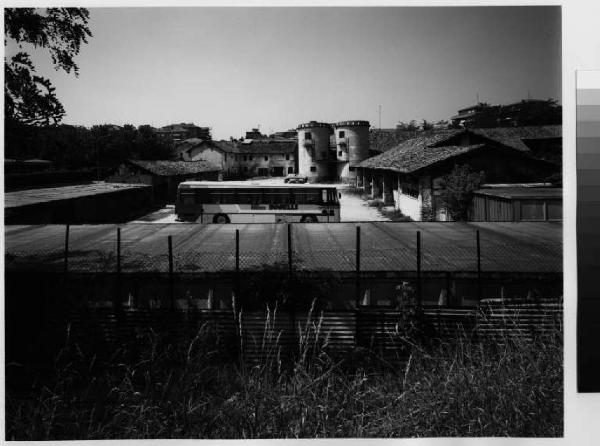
{"x": 96, "y": 202}
{"x": 511, "y": 255}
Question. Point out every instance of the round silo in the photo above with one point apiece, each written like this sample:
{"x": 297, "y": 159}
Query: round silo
{"x": 352, "y": 147}
{"x": 313, "y": 150}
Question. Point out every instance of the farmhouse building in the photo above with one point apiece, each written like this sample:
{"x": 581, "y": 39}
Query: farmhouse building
{"x": 246, "y": 158}
{"x": 410, "y": 176}
{"x": 164, "y": 176}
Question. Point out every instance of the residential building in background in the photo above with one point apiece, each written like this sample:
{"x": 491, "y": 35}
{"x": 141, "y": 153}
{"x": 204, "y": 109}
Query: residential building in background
{"x": 182, "y": 131}
{"x": 526, "y": 112}
{"x": 243, "y": 159}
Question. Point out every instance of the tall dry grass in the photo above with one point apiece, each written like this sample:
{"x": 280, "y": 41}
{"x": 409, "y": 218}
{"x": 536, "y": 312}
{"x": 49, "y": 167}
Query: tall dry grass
{"x": 449, "y": 388}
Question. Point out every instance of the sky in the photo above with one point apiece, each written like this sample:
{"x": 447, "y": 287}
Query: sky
{"x": 236, "y": 68}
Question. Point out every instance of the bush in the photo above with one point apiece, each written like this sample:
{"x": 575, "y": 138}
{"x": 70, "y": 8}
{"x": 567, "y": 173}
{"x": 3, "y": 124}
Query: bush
{"x": 458, "y": 188}
{"x": 375, "y": 203}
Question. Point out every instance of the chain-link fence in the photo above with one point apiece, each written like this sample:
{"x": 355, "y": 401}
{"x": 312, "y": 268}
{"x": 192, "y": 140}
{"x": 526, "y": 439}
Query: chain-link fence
{"x": 179, "y": 271}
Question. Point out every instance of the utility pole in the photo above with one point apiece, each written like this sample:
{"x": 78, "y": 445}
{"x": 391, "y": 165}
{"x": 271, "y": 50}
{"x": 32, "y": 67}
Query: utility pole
{"x": 380, "y": 117}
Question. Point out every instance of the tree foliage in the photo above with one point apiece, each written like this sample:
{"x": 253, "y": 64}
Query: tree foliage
{"x": 77, "y": 147}
{"x": 426, "y": 125}
{"x": 28, "y": 97}
{"x": 457, "y": 192}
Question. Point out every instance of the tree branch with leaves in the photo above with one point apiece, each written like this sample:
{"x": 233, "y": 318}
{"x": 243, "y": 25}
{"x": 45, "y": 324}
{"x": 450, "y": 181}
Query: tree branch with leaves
{"x": 28, "y": 97}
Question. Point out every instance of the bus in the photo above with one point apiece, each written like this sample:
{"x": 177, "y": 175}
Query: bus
{"x": 247, "y": 202}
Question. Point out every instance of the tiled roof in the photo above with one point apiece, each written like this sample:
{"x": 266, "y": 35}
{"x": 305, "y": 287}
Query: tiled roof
{"x": 258, "y": 146}
{"x": 433, "y": 146}
{"x": 514, "y": 136}
{"x": 410, "y": 156}
{"x": 187, "y": 144}
{"x": 170, "y": 168}
{"x": 382, "y": 140}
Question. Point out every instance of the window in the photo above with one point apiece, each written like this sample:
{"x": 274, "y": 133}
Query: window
{"x": 308, "y": 196}
{"x": 290, "y": 170}
{"x": 351, "y": 168}
{"x": 245, "y": 158}
{"x": 307, "y": 135}
{"x": 287, "y": 157}
{"x": 554, "y": 210}
{"x": 266, "y": 158}
{"x": 250, "y": 196}
{"x": 251, "y": 157}
{"x": 278, "y": 196}
{"x": 188, "y": 198}
{"x": 532, "y": 210}
{"x": 341, "y": 134}
{"x": 245, "y": 168}
{"x": 340, "y": 153}
{"x": 313, "y": 169}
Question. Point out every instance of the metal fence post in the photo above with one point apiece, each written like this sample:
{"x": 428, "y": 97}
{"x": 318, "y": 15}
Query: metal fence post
{"x": 419, "y": 296}
{"x": 237, "y": 260}
{"x": 478, "y": 266}
{"x": 292, "y": 300}
{"x": 289, "y": 246}
{"x": 118, "y": 304}
{"x": 171, "y": 293}
{"x": 66, "y": 265}
{"x": 357, "y": 279}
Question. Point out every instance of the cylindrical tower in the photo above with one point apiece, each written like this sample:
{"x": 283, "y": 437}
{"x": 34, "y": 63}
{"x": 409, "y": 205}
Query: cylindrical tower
{"x": 352, "y": 147}
{"x": 313, "y": 150}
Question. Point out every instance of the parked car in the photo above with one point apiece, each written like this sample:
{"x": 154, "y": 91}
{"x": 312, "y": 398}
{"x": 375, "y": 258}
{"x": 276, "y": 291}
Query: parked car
{"x": 295, "y": 178}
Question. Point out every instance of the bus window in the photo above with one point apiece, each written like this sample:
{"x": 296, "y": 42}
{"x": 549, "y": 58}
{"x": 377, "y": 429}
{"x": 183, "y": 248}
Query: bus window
{"x": 249, "y": 196}
{"x": 228, "y": 196}
{"x": 202, "y": 196}
{"x": 278, "y": 196}
{"x": 324, "y": 196}
{"x": 307, "y": 196}
{"x": 188, "y": 197}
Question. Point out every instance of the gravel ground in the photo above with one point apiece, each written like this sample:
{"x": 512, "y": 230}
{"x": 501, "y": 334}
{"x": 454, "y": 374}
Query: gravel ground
{"x": 353, "y": 208}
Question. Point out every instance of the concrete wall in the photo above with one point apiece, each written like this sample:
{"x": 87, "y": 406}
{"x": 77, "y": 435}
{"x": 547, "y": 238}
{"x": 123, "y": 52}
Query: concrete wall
{"x": 410, "y": 206}
{"x": 226, "y": 161}
{"x": 205, "y": 153}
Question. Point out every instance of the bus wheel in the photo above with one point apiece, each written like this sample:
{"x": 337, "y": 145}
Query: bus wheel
{"x": 308, "y": 219}
{"x": 221, "y": 218}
